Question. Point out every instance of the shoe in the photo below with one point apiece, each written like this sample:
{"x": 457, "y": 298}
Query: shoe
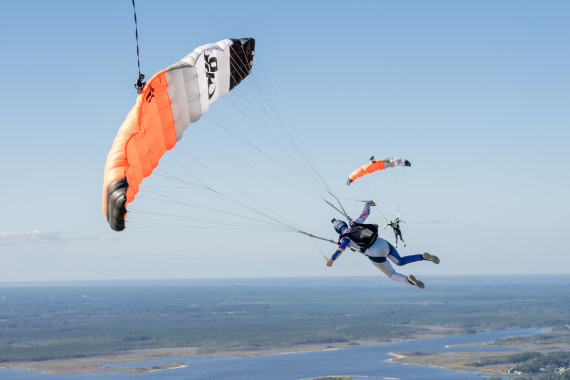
{"x": 429, "y": 257}
{"x": 412, "y": 280}
{"x": 396, "y": 246}
{"x": 404, "y": 244}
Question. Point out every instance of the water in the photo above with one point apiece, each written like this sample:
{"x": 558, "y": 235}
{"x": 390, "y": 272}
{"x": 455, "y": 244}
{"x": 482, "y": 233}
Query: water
{"x": 362, "y": 361}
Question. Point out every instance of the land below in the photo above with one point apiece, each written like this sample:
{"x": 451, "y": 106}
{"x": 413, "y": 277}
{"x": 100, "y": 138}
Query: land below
{"x": 94, "y": 364}
{"x": 493, "y": 363}
{"x": 78, "y": 327}
{"x": 546, "y": 353}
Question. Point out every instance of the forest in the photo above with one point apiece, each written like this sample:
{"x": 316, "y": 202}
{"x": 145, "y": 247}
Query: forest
{"x": 67, "y": 320}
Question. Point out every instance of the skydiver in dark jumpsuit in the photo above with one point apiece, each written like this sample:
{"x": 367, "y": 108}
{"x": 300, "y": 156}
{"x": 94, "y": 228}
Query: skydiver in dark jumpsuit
{"x": 395, "y": 224}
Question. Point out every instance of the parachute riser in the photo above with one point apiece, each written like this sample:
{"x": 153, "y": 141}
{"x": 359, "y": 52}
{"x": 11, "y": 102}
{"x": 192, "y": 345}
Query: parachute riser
{"x": 316, "y": 237}
{"x": 340, "y": 204}
{"x": 342, "y": 212}
{"x": 328, "y": 240}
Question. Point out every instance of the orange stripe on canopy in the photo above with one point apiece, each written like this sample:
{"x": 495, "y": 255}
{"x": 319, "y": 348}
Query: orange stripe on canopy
{"x": 143, "y": 138}
{"x": 366, "y": 169}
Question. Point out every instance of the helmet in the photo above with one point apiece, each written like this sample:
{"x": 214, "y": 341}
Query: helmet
{"x": 339, "y": 225}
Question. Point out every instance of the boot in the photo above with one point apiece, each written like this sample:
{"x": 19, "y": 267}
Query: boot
{"x": 412, "y": 280}
{"x": 429, "y": 257}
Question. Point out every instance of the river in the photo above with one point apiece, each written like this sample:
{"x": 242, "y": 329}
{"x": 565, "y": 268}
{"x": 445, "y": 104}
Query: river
{"x": 363, "y": 361}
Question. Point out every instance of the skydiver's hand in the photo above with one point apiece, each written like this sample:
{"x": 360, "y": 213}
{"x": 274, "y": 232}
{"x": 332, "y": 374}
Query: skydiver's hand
{"x": 371, "y": 203}
{"x": 329, "y": 263}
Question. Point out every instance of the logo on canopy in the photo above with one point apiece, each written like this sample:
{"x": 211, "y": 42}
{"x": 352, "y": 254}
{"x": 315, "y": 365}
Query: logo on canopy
{"x": 211, "y": 64}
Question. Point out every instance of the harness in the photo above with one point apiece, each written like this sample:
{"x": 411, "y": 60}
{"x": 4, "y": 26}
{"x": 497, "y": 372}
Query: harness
{"x": 363, "y": 235}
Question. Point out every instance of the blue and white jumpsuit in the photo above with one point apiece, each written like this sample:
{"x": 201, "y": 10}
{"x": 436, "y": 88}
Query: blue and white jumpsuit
{"x": 378, "y": 252}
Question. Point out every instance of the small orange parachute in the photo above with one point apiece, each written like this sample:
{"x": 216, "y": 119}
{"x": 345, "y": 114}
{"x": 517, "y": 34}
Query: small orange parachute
{"x": 171, "y": 100}
{"x": 374, "y": 165}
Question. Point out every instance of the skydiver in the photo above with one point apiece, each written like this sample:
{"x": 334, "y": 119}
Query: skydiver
{"x": 395, "y": 224}
{"x": 365, "y": 239}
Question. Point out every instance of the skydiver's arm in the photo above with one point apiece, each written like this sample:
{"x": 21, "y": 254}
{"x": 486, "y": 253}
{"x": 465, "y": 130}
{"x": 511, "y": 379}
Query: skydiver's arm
{"x": 385, "y": 225}
{"x": 342, "y": 246}
{"x": 364, "y": 214}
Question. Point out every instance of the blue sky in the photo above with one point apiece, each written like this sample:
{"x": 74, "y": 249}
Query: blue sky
{"x": 474, "y": 93}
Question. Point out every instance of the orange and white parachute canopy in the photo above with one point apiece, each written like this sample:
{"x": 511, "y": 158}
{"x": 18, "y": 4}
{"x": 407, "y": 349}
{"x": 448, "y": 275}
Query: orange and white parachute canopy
{"x": 375, "y": 165}
{"x": 171, "y": 100}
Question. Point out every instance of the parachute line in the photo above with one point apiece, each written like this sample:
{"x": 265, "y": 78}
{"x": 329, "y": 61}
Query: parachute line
{"x": 308, "y": 166}
{"x": 139, "y": 84}
{"x": 225, "y": 197}
{"x": 306, "y": 153}
{"x": 222, "y": 153}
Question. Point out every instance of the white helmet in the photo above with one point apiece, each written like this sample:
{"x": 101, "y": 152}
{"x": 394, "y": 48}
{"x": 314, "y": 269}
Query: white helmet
{"x": 339, "y": 225}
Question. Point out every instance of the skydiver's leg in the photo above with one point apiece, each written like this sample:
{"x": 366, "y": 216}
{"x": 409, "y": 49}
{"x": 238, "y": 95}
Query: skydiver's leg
{"x": 387, "y": 269}
{"x": 396, "y": 259}
{"x": 401, "y": 238}
{"x": 396, "y": 236}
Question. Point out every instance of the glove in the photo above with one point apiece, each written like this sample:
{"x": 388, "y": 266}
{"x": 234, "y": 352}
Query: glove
{"x": 371, "y": 203}
{"x": 329, "y": 263}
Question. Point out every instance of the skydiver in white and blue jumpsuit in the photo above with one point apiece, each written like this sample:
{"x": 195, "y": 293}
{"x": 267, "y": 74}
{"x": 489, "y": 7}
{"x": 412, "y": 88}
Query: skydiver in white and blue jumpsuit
{"x": 364, "y": 238}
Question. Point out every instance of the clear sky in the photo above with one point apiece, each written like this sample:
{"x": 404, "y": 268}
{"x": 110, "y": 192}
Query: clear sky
{"x": 475, "y": 93}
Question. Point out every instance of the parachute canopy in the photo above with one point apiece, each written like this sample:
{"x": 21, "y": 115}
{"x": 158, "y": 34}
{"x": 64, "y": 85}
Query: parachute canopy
{"x": 171, "y": 100}
{"x": 376, "y": 165}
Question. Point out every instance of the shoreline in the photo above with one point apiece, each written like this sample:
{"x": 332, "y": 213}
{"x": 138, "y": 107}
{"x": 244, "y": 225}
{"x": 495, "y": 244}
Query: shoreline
{"x": 467, "y": 360}
{"x": 458, "y": 361}
{"x": 94, "y": 364}
{"x": 397, "y": 356}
